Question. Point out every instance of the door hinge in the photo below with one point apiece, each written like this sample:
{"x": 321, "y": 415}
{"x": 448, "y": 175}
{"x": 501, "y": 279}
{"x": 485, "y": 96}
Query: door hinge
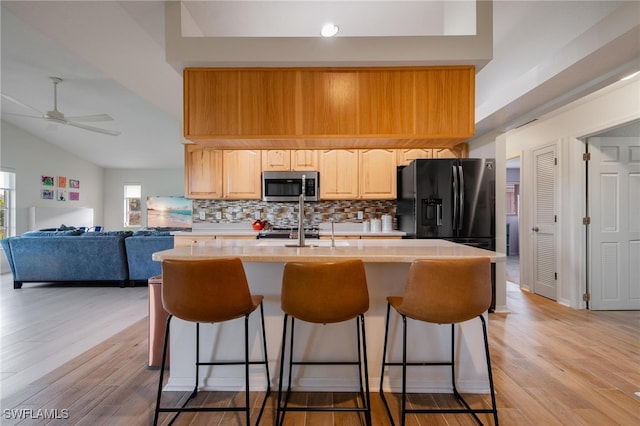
{"x": 586, "y": 220}
{"x": 586, "y": 297}
{"x": 555, "y": 276}
{"x": 555, "y": 161}
{"x": 586, "y": 156}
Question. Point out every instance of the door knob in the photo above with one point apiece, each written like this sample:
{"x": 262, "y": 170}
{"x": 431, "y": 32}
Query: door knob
{"x": 535, "y": 229}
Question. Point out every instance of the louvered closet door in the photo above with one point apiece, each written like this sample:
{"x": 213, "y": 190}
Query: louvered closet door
{"x": 614, "y": 198}
{"x": 544, "y": 222}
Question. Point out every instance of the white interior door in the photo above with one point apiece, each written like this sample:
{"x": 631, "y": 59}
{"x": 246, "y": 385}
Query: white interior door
{"x": 544, "y": 222}
{"x": 614, "y": 194}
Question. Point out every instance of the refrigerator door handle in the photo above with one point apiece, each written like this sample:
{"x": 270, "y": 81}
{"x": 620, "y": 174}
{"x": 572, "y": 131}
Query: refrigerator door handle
{"x": 439, "y": 215}
{"x": 455, "y": 197}
{"x": 461, "y": 196}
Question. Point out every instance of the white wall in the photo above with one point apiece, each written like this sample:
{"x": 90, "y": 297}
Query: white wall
{"x": 30, "y": 158}
{"x": 101, "y": 189}
{"x": 166, "y": 182}
{"x": 566, "y": 127}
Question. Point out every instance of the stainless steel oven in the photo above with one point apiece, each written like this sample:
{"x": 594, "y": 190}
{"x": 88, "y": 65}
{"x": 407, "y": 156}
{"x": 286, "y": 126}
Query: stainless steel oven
{"x": 287, "y": 186}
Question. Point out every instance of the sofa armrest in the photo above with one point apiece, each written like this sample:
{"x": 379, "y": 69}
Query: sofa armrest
{"x": 139, "y": 251}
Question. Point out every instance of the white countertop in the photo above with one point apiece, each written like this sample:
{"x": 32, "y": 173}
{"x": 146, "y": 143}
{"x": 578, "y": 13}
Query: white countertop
{"x": 350, "y": 229}
{"x": 376, "y": 250}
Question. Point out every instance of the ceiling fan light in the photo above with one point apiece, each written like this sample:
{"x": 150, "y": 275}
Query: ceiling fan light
{"x": 329, "y": 30}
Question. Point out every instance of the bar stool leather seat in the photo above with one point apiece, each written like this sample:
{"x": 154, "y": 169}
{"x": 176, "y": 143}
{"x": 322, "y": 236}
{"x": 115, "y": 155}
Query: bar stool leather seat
{"x": 444, "y": 291}
{"x": 325, "y": 293}
{"x": 210, "y": 291}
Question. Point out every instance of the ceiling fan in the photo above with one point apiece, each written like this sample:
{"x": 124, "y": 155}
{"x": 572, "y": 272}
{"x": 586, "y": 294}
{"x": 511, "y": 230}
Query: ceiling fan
{"x": 58, "y": 117}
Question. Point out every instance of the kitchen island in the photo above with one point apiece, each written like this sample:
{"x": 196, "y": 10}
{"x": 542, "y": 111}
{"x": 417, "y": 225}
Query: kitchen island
{"x": 386, "y": 265}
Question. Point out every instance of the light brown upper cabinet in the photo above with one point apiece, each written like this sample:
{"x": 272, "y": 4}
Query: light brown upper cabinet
{"x": 284, "y": 160}
{"x": 339, "y": 174}
{"x": 386, "y": 102}
{"x": 405, "y": 156}
{"x": 241, "y": 177}
{"x": 329, "y": 102}
{"x": 377, "y": 174}
{"x": 267, "y": 102}
{"x": 349, "y": 174}
{"x": 203, "y": 172}
{"x": 444, "y": 103}
{"x": 211, "y": 102}
{"x": 304, "y": 159}
{"x": 326, "y": 108}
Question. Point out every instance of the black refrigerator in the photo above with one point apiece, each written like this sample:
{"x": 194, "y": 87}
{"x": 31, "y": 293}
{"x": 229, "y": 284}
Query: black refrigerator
{"x": 451, "y": 199}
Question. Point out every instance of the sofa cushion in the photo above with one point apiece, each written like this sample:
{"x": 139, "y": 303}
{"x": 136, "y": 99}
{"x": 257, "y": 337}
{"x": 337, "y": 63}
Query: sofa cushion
{"x": 68, "y": 233}
{"x": 109, "y": 234}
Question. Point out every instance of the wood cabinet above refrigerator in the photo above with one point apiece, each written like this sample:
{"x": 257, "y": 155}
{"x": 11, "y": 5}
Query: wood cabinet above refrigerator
{"x": 324, "y": 108}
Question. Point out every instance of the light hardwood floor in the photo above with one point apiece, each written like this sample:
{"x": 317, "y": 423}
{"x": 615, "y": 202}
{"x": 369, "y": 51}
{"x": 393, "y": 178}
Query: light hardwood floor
{"x": 552, "y": 366}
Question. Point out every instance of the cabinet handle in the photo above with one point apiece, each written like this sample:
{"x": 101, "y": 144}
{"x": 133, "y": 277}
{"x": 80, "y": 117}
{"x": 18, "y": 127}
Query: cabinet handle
{"x": 535, "y": 229}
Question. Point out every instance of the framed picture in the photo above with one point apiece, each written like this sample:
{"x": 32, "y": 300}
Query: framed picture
{"x": 74, "y": 196}
{"x": 61, "y": 195}
{"x": 47, "y": 180}
{"x": 62, "y": 182}
{"x": 74, "y": 183}
{"x": 46, "y": 194}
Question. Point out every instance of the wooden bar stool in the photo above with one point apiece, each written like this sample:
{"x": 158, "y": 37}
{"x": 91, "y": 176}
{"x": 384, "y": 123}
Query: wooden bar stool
{"x": 325, "y": 293}
{"x": 210, "y": 291}
{"x": 448, "y": 291}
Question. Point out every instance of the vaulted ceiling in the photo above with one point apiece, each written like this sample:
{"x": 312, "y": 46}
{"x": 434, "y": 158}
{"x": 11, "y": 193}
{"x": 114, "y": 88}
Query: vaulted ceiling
{"x": 125, "y": 58}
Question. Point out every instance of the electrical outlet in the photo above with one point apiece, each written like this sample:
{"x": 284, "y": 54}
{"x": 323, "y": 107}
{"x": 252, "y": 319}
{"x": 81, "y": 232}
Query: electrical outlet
{"x": 218, "y": 215}
{"x": 202, "y": 214}
{"x": 257, "y": 215}
{"x": 360, "y": 215}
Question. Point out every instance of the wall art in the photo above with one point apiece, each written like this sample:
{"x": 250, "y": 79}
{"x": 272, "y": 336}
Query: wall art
{"x": 46, "y": 194}
{"x": 47, "y": 180}
{"x": 62, "y": 182}
{"x": 61, "y": 195}
{"x": 74, "y": 196}
{"x": 74, "y": 183}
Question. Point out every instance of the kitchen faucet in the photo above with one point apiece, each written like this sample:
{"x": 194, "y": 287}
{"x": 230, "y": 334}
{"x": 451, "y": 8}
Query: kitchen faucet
{"x": 301, "y": 215}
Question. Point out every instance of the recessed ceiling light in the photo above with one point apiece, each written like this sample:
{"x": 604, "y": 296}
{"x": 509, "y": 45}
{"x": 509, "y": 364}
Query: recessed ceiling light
{"x": 329, "y": 30}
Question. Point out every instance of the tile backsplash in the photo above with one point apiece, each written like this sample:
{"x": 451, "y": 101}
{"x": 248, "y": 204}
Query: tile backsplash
{"x": 286, "y": 214}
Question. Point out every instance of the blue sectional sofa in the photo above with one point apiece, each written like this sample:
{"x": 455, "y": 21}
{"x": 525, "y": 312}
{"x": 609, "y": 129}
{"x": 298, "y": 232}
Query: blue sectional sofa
{"x": 139, "y": 249}
{"x": 76, "y": 256}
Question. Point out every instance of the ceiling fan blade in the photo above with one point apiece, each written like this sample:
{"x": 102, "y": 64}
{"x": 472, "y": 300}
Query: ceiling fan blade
{"x": 96, "y": 117}
{"x": 23, "y": 115}
{"x": 93, "y": 129}
{"x": 17, "y": 102}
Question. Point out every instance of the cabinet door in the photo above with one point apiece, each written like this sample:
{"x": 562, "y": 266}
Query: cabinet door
{"x": 405, "y": 156}
{"x": 445, "y": 102}
{"x": 304, "y": 159}
{"x": 274, "y": 160}
{"x": 210, "y": 103}
{"x": 386, "y": 102}
{"x": 203, "y": 172}
{"x": 458, "y": 151}
{"x": 241, "y": 174}
{"x": 329, "y": 102}
{"x": 267, "y": 102}
{"x": 377, "y": 174}
{"x": 338, "y": 174}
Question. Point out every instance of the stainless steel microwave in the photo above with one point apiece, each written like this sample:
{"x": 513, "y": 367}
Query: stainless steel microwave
{"x": 287, "y": 186}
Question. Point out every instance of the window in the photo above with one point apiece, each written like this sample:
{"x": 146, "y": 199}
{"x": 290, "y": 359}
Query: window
{"x": 132, "y": 206}
{"x": 7, "y": 203}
